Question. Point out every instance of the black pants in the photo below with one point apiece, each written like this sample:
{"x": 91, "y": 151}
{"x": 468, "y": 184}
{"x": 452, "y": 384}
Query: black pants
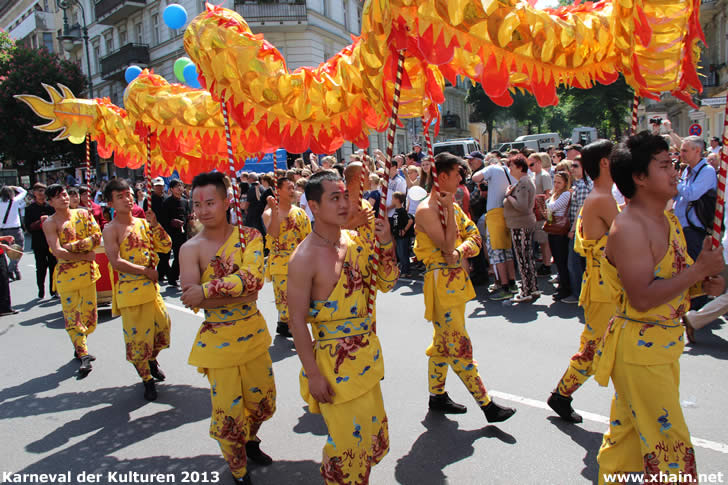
{"x": 5, "y": 306}
{"x": 694, "y": 240}
{"x": 173, "y": 274}
{"x": 163, "y": 265}
{"x": 560, "y": 250}
{"x": 44, "y": 261}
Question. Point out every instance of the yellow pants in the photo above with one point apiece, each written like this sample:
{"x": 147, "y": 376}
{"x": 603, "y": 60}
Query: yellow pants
{"x": 451, "y": 347}
{"x": 280, "y": 289}
{"x": 242, "y": 398}
{"x": 647, "y": 430}
{"x": 79, "y": 311}
{"x": 358, "y": 438}
{"x": 581, "y": 367}
{"x": 146, "y": 333}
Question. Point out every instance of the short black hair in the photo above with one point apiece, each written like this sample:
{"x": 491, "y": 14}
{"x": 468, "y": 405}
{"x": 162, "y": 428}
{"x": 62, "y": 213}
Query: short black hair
{"x": 54, "y": 190}
{"x": 632, "y": 157}
{"x": 174, "y": 183}
{"x": 282, "y": 180}
{"x": 315, "y": 186}
{"x": 208, "y": 178}
{"x": 83, "y": 189}
{"x": 592, "y": 154}
{"x": 115, "y": 185}
{"x": 72, "y": 190}
{"x": 39, "y": 186}
{"x": 446, "y": 162}
{"x": 400, "y": 197}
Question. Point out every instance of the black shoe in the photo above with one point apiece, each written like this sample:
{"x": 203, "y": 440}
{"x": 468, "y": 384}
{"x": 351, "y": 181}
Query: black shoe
{"x": 560, "y": 295}
{"x": 173, "y": 284}
{"x": 252, "y": 450}
{"x": 54, "y": 295}
{"x": 495, "y": 413}
{"x": 562, "y": 406}
{"x": 244, "y": 480}
{"x": 512, "y": 288}
{"x": 150, "y": 392}
{"x": 543, "y": 271}
{"x": 85, "y": 367}
{"x": 156, "y": 371}
{"x": 283, "y": 330}
{"x": 443, "y": 404}
{"x": 90, "y": 357}
{"x": 9, "y": 312}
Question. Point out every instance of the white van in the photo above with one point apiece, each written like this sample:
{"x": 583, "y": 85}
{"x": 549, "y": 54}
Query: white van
{"x": 457, "y": 146}
{"x": 583, "y": 135}
{"x": 538, "y": 142}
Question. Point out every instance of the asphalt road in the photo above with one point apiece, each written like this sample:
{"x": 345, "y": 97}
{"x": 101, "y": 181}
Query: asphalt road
{"x": 53, "y": 423}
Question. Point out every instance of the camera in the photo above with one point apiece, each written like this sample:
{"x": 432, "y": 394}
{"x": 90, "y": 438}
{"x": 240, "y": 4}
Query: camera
{"x": 657, "y": 120}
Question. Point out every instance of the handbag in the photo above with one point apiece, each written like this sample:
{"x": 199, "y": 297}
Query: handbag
{"x": 539, "y": 207}
{"x": 559, "y": 225}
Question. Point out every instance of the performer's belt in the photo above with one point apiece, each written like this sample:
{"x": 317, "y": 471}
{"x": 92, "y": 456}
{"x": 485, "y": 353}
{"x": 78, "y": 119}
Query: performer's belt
{"x": 675, "y": 322}
{"x": 347, "y": 327}
{"x": 226, "y": 315}
{"x": 131, "y": 277}
{"x": 440, "y": 265}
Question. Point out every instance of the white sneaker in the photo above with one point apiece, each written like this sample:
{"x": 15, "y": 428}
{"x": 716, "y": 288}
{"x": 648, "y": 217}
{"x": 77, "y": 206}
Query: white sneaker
{"x": 521, "y": 298}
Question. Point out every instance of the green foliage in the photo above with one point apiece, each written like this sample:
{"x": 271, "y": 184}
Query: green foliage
{"x": 22, "y": 72}
{"x": 6, "y": 46}
{"x": 605, "y": 107}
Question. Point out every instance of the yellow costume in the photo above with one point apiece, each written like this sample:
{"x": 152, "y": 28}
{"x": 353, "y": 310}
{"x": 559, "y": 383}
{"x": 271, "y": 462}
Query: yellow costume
{"x": 598, "y": 302}
{"x": 640, "y": 352}
{"x": 231, "y": 348}
{"x": 75, "y": 281}
{"x": 447, "y": 289}
{"x": 349, "y": 356}
{"x": 144, "y": 316}
{"x": 293, "y": 229}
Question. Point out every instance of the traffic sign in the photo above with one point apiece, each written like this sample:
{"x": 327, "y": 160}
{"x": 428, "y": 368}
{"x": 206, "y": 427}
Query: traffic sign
{"x": 695, "y": 129}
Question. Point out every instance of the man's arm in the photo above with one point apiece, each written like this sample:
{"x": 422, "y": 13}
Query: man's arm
{"x": 626, "y": 249}
{"x": 271, "y": 218}
{"x": 113, "y": 253}
{"x": 49, "y": 229}
{"x": 90, "y": 242}
{"x": 427, "y": 220}
{"x": 20, "y": 193}
{"x": 300, "y": 282}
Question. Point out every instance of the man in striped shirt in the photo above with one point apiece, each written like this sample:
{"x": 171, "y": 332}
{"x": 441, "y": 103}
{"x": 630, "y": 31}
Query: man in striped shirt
{"x": 579, "y": 192}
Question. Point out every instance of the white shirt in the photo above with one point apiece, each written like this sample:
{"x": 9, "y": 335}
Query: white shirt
{"x": 715, "y": 150}
{"x": 14, "y": 206}
{"x": 617, "y": 195}
{"x": 304, "y": 205}
{"x": 397, "y": 184}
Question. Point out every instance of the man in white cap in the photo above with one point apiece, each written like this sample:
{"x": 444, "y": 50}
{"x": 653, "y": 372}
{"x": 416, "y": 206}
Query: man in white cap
{"x": 158, "y": 209}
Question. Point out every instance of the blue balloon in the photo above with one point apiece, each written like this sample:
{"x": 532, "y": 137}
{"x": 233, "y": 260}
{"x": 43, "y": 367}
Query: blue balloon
{"x": 175, "y": 16}
{"x": 131, "y": 73}
{"x": 190, "y": 73}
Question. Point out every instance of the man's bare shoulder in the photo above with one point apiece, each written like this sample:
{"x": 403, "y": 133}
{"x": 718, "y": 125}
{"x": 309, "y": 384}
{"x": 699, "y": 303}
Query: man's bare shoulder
{"x": 599, "y": 201}
{"x": 629, "y": 223}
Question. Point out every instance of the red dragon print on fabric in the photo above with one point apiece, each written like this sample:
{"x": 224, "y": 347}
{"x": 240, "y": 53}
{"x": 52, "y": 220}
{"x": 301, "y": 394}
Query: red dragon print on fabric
{"x": 588, "y": 354}
{"x": 465, "y": 347}
{"x": 679, "y": 261}
{"x": 223, "y": 267}
{"x": 345, "y": 349}
{"x": 380, "y": 443}
{"x": 332, "y": 471}
{"x": 354, "y": 280}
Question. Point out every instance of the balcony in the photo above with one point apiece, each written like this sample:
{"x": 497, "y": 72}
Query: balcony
{"x": 40, "y": 21}
{"x": 114, "y": 65}
{"x": 451, "y": 121}
{"x": 263, "y": 12}
{"x": 110, "y": 12}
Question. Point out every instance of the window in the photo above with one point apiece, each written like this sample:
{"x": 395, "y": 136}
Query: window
{"x": 325, "y": 7}
{"x": 138, "y": 34}
{"x": 109, "y": 43}
{"x": 346, "y": 14}
{"x": 33, "y": 42}
{"x": 48, "y": 41}
{"x": 155, "y": 29}
{"x": 122, "y": 35}
{"x": 97, "y": 56}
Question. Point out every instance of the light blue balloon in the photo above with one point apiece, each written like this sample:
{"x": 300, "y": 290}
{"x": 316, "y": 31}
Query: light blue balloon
{"x": 175, "y": 16}
{"x": 190, "y": 73}
{"x": 131, "y": 73}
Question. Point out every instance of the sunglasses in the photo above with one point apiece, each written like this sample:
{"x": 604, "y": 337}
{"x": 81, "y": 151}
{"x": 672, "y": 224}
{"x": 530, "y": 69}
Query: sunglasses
{"x": 530, "y": 165}
{"x": 575, "y": 166}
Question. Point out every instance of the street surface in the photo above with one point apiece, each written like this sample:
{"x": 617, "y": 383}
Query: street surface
{"x": 53, "y": 423}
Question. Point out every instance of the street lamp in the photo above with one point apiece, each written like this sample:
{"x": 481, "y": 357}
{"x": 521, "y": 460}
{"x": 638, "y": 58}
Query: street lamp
{"x": 67, "y": 39}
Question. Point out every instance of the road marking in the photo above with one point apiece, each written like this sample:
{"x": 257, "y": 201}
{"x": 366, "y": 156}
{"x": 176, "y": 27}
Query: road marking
{"x": 598, "y": 418}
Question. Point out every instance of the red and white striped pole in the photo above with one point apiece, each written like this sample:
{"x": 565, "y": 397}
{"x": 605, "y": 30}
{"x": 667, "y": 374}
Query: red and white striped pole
{"x": 88, "y": 160}
{"x": 233, "y": 176}
{"x": 385, "y": 185}
{"x": 435, "y": 182}
{"x": 635, "y": 105}
{"x": 148, "y": 170}
{"x": 720, "y": 202}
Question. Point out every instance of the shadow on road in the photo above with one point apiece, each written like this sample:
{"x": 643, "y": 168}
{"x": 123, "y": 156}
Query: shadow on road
{"x": 441, "y": 445}
{"x": 42, "y": 383}
{"x": 286, "y": 472}
{"x": 709, "y": 343}
{"x": 591, "y": 441}
{"x": 282, "y": 348}
{"x": 312, "y": 423}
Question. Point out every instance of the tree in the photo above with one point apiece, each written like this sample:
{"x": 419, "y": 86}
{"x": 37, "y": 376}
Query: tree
{"x": 21, "y": 72}
{"x": 484, "y": 110}
{"x": 6, "y": 46}
{"x": 605, "y": 107}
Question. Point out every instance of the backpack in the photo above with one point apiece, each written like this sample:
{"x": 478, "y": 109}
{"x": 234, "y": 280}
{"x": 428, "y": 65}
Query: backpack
{"x": 704, "y": 208}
